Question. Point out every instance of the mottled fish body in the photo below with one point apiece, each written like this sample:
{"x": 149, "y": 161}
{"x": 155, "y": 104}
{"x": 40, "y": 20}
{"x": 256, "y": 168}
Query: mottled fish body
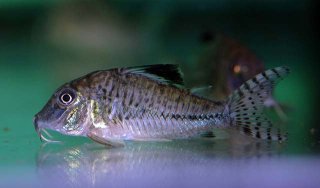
{"x": 150, "y": 103}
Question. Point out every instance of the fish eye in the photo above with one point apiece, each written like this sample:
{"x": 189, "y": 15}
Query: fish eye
{"x": 66, "y": 97}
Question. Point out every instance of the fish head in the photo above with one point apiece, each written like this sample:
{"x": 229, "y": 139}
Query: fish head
{"x": 65, "y": 112}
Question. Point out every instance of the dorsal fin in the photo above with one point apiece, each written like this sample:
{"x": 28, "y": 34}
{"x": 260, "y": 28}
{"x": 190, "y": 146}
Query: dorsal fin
{"x": 165, "y": 73}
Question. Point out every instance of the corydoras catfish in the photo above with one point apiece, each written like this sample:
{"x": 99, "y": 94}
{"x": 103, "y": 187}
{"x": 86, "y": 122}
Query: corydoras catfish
{"x": 150, "y": 103}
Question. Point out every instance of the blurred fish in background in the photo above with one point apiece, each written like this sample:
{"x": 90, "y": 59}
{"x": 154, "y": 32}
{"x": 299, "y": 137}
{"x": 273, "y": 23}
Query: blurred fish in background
{"x": 223, "y": 66}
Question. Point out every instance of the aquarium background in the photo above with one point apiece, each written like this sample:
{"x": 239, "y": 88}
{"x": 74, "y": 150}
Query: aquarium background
{"x": 44, "y": 44}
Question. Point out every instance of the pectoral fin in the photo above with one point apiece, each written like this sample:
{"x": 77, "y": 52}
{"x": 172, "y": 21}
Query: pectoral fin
{"x": 105, "y": 141}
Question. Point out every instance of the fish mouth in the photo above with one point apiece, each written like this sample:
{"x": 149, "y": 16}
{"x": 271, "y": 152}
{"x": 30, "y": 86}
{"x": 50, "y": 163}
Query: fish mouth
{"x": 42, "y": 130}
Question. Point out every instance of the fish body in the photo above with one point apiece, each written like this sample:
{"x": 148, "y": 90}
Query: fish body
{"x": 150, "y": 103}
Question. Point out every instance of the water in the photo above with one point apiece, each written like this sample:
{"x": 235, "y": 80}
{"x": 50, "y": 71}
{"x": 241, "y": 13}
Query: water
{"x": 42, "y": 46}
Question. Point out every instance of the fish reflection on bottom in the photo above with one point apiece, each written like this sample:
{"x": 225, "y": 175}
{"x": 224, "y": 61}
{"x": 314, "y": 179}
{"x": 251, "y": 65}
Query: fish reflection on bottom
{"x": 93, "y": 165}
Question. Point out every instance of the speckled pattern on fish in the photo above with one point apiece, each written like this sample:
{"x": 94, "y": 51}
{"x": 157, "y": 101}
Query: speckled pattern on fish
{"x": 150, "y": 103}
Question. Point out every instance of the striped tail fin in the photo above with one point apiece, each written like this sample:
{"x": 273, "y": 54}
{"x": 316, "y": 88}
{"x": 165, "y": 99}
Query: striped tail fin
{"x": 246, "y": 105}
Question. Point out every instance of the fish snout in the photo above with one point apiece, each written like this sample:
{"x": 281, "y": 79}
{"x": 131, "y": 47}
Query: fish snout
{"x": 39, "y": 129}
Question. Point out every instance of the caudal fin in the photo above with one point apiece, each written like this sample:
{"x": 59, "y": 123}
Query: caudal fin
{"x": 246, "y": 105}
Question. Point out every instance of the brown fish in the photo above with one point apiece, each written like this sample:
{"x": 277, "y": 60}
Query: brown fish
{"x": 226, "y": 64}
{"x": 150, "y": 103}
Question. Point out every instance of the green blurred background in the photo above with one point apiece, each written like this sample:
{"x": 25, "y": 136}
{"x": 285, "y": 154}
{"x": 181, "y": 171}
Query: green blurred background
{"x": 44, "y": 44}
